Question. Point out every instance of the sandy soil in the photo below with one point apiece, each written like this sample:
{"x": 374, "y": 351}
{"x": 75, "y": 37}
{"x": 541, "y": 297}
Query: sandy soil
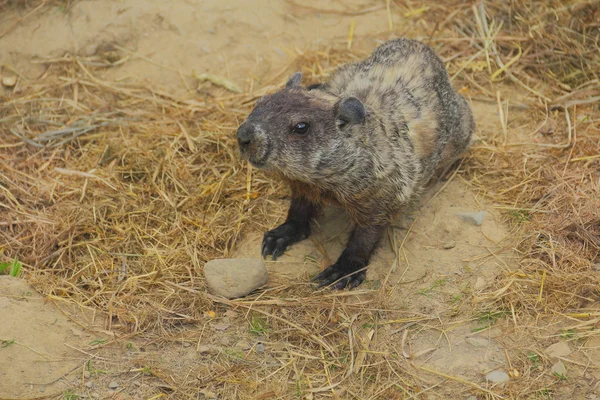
{"x": 248, "y": 42}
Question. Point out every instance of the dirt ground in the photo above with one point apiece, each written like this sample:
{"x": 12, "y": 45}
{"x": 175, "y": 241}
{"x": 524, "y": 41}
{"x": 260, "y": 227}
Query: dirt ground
{"x": 51, "y": 349}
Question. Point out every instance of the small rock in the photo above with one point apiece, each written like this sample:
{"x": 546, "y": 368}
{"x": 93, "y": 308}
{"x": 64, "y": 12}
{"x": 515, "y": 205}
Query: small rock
{"x": 479, "y": 283}
{"x": 497, "y": 376}
{"x": 559, "y": 369}
{"x": 472, "y": 398}
{"x": 231, "y": 314}
{"x": 221, "y": 327}
{"x": 477, "y": 341}
{"x": 42, "y": 389}
{"x": 87, "y": 374}
{"x": 260, "y": 348}
{"x": 231, "y": 277}
{"x": 596, "y": 267}
{"x": 94, "y": 395}
{"x": 186, "y": 344}
{"x": 559, "y": 349}
{"x": 449, "y": 245}
{"x": 89, "y": 384}
{"x": 242, "y": 345}
{"x": 113, "y": 385}
{"x": 9, "y": 81}
{"x": 475, "y": 218}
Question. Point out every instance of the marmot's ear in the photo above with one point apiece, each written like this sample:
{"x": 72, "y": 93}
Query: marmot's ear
{"x": 294, "y": 80}
{"x": 349, "y": 110}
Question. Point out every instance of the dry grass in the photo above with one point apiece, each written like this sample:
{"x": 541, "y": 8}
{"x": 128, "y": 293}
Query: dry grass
{"x": 114, "y": 196}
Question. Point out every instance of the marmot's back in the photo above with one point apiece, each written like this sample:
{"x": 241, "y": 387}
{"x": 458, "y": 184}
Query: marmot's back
{"x": 406, "y": 84}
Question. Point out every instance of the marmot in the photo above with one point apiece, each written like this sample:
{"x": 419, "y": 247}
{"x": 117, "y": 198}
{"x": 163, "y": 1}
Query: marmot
{"x": 369, "y": 140}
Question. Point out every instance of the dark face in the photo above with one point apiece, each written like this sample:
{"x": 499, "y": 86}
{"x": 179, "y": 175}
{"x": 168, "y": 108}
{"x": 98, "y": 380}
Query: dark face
{"x": 297, "y": 132}
{"x": 286, "y": 128}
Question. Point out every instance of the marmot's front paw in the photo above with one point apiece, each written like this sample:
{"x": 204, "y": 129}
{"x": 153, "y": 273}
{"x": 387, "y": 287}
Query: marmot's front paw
{"x": 276, "y": 241}
{"x": 351, "y": 274}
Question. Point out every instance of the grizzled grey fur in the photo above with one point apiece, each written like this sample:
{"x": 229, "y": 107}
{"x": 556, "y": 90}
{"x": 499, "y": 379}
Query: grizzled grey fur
{"x": 369, "y": 140}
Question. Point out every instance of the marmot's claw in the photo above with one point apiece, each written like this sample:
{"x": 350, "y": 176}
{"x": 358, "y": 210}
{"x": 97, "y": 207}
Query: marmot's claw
{"x": 340, "y": 277}
{"x": 276, "y": 241}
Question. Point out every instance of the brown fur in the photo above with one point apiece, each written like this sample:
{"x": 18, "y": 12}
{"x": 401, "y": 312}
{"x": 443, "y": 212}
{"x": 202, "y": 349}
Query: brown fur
{"x": 378, "y": 130}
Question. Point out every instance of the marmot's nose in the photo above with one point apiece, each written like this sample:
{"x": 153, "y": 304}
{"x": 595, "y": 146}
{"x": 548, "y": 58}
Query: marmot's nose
{"x": 245, "y": 134}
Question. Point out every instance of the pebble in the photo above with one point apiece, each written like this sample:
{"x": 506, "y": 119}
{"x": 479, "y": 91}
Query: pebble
{"x": 89, "y": 384}
{"x": 221, "y": 327}
{"x": 94, "y": 395}
{"x": 260, "y": 348}
{"x": 559, "y": 369}
{"x": 559, "y": 349}
{"x": 497, "y": 376}
{"x": 87, "y": 374}
{"x": 231, "y": 314}
{"x": 235, "y": 277}
{"x": 9, "y": 81}
{"x": 475, "y": 218}
{"x": 186, "y": 344}
{"x": 113, "y": 385}
{"x": 450, "y": 245}
{"x": 477, "y": 341}
{"x": 242, "y": 345}
{"x": 472, "y": 398}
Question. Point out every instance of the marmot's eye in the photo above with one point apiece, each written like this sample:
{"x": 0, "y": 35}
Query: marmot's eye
{"x": 301, "y": 128}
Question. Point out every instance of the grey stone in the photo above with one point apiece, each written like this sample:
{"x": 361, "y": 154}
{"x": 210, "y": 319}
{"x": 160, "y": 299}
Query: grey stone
{"x": 186, "y": 344}
{"x": 94, "y": 395}
{"x": 475, "y": 218}
{"x": 260, "y": 348}
{"x": 89, "y": 384}
{"x": 235, "y": 277}
{"x": 449, "y": 245}
{"x": 477, "y": 341}
{"x": 221, "y": 327}
{"x": 497, "y": 376}
{"x": 559, "y": 349}
{"x": 87, "y": 374}
{"x": 113, "y": 385}
{"x": 559, "y": 369}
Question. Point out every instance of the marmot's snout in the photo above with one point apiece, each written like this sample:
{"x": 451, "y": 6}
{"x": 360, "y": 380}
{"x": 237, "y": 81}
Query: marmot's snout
{"x": 251, "y": 141}
{"x": 245, "y": 135}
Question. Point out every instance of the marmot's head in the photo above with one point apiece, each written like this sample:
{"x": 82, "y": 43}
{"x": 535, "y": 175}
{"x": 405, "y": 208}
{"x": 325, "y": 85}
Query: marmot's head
{"x": 305, "y": 134}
